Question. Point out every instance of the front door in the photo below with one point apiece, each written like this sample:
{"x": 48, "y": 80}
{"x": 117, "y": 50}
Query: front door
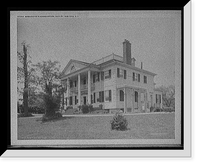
{"x": 84, "y": 100}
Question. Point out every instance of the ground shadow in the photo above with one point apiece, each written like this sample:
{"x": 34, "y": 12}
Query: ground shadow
{"x": 55, "y": 120}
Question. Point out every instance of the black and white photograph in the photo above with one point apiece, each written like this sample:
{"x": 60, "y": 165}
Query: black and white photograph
{"x": 97, "y": 79}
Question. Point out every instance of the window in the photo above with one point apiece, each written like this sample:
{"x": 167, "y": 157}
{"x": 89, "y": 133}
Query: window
{"x": 84, "y": 81}
{"x": 121, "y": 73}
{"x": 124, "y": 74}
{"x": 133, "y": 76}
{"x": 71, "y": 84}
{"x": 91, "y": 99}
{"x": 108, "y": 95}
{"x": 160, "y": 98}
{"x": 96, "y": 77}
{"x": 145, "y": 79}
{"x": 136, "y": 77}
{"x": 101, "y": 96}
{"x": 76, "y": 100}
{"x": 107, "y": 74}
{"x": 70, "y": 100}
{"x": 121, "y": 95}
{"x": 136, "y": 96}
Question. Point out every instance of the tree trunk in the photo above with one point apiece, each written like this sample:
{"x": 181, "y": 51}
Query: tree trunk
{"x": 25, "y": 94}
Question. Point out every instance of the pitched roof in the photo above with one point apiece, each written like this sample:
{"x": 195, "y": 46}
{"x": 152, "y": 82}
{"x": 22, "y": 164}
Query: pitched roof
{"x": 73, "y": 60}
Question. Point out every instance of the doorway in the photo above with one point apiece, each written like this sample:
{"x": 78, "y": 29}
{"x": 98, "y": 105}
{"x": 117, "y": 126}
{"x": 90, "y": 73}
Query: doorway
{"x": 136, "y": 100}
{"x": 84, "y": 100}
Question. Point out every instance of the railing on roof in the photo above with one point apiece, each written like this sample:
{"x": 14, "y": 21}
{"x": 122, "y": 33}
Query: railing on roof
{"x": 107, "y": 58}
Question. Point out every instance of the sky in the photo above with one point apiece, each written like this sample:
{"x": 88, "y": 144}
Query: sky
{"x": 88, "y": 36}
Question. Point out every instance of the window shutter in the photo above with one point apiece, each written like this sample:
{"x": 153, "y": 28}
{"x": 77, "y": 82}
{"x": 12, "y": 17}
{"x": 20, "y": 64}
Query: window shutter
{"x": 102, "y": 96}
{"x": 91, "y": 99}
{"x": 124, "y": 74}
{"x": 94, "y": 97}
{"x": 98, "y": 76}
{"x": 109, "y": 73}
{"x": 138, "y": 77}
{"x": 110, "y": 95}
{"x": 75, "y": 99}
{"x": 118, "y": 72}
{"x": 102, "y": 75}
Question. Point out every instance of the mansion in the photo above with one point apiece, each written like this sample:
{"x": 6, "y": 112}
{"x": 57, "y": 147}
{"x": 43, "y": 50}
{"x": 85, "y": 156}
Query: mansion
{"x": 112, "y": 82}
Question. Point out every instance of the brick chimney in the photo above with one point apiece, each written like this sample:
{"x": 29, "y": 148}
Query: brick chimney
{"x": 127, "y": 52}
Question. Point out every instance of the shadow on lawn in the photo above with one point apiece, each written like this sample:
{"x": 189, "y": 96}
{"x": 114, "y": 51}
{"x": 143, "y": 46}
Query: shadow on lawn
{"x": 54, "y": 119}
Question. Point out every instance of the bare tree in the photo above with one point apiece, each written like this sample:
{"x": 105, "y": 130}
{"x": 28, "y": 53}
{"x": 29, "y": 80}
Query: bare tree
{"x": 168, "y": 95}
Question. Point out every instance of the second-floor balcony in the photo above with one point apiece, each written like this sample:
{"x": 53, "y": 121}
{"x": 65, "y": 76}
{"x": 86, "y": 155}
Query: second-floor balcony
{"x": 83, "y": 87}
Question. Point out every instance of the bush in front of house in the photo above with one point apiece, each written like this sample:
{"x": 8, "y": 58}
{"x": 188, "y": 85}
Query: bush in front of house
{"x": 119, "y": 122}
{"x": 69, "y": 107}
{"x": 87, "y": 108}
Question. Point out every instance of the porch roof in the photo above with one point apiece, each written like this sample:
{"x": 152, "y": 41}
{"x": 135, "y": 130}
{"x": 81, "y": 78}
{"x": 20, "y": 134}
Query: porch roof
{"x": 131, "y": 87}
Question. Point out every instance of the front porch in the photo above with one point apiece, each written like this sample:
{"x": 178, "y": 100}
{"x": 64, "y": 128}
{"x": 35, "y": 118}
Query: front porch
{"x": 79, "y": 87}
{"x": 132, "y": 99}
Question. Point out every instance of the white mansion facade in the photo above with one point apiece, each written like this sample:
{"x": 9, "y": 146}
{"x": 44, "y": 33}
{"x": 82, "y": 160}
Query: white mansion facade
{"x": 112, "y": 82}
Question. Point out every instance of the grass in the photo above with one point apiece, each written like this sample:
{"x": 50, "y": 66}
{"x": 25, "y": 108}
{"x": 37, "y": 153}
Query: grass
{"x": 143, "y": 126}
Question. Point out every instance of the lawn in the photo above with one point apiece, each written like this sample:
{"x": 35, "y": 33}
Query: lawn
{"x": 141, "y": 126}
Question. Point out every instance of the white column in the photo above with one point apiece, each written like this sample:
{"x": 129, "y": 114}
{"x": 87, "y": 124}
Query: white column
{"x": 67, "y": 94}
{"x": 161, "y": 106}
{"x": 125, "y": 102}
{"x": 79, "y": 89}
{"x": 89, "y": 88}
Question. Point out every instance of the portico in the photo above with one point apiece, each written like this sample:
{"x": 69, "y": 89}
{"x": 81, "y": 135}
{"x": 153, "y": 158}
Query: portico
{"x": 79, "y": 83}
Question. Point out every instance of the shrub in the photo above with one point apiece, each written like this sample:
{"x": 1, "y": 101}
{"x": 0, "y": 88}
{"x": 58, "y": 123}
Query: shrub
{"x": 151, "y": 109}
{"x": 158, "y": 110}
{"x": 69, "y": 107}
{"x": 101, "y": 106}
{"x": 90, "y": 107}
{"x": 57, "y": 115}
{"x": 119, "y": 122}
{"x": 87, "y": 108}
{"x": 168, "y": 109}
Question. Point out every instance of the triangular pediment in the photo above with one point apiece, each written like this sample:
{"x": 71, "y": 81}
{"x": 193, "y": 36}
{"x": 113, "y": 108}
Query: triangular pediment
{"x": 72, "y": 66}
